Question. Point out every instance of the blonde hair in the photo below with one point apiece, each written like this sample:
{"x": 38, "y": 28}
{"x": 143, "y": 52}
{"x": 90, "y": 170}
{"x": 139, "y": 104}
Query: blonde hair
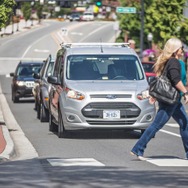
{"x": 171, "y": 46}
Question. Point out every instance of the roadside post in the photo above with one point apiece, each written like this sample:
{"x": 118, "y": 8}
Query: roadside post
{"x": 116, "y": 28}
{"x": 129, "y": 10}
{"x": 126, "y": 10}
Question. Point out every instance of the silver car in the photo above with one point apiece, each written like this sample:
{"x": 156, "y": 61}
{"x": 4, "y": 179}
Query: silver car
{"x": 98, "y": 86}
{"x": 42, "y": 89}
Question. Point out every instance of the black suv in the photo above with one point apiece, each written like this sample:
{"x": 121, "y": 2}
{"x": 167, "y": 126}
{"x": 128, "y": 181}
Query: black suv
{"x": 42, "y": 89}
{"x": 23, "y": 81}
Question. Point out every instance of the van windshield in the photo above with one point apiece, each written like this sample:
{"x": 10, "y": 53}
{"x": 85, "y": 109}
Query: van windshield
{"x": 104, "y": 67}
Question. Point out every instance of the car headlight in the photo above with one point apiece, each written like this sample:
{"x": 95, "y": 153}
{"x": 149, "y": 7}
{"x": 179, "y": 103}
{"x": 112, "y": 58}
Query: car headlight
{"x": 143, "y": 95}
{"x": 20, "y": 83}
{"x": 74, "y": 94}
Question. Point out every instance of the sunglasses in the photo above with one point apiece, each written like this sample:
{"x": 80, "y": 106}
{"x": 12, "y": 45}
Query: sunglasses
{"x": 182, "y": 48}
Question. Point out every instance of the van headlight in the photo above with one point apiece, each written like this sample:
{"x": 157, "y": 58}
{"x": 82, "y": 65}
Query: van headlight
{"x": 74, "y": 94}
{"x": 143, "y": 95}
{"x": 20, "y": 83}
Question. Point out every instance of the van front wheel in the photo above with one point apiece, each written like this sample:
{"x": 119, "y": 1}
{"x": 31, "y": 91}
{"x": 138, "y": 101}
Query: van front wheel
{"x": 61, "y": 129}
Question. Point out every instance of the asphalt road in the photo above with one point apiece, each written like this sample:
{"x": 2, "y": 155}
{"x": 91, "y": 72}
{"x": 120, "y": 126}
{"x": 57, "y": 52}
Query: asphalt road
{"x": 84, "y": 159}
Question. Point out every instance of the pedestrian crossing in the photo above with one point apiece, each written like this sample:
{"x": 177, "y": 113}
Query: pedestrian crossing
{"x": 168, "y": 162}
{"x": 75, "y": 162}
{"x": 90, "y": 162}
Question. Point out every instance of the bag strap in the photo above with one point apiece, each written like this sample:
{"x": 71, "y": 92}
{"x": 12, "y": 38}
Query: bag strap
{"x": 164, "y": 73}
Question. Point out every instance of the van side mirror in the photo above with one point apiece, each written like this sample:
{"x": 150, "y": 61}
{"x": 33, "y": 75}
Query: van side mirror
{"x": 151, "y": 78}
{"x": 53, "y": 80}
{"x": 36, "y": 76}
{"x": 12, "y": 74}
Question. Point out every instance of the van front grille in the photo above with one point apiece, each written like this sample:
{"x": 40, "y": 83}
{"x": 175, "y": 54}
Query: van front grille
{"x": 129, "y": 122}
{"x": 95, "y": 110}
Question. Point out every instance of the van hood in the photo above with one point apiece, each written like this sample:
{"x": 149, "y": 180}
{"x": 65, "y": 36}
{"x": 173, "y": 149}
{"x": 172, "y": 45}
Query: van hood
{"x": 95, "y": 86}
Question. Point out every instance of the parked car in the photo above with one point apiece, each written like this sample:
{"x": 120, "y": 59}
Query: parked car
{"x": 42, "y": 89}
{"x": 148, "y": 68}
{"x": 74, "y": 17}
{"x": 23, "y": 81}
{"x": 98, "y": 86}
{"x": 87, "y": 16}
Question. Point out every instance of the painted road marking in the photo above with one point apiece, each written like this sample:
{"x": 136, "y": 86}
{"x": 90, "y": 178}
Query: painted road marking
{"x": 75, "y": 162}
{"x": 168, "y": 132}
{"x": 34, "y": 43}
{"x": 43, "y": 51}
{"x": 172, "y": 125}
{"x": 169, "y": 162}
{"x": 76, "y": 33}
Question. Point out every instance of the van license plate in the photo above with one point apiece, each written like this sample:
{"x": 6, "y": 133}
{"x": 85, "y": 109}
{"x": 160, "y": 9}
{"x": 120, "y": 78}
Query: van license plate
{"x": 111, "y": 114}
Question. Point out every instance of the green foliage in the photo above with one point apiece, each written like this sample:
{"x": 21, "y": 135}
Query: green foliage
{"x": 63, "y": 11}
{"x": 39, "y": 8}
{"x": 26, "y": 9}
{"x": 6, "y": 9}
{"x": 162, "y": 18}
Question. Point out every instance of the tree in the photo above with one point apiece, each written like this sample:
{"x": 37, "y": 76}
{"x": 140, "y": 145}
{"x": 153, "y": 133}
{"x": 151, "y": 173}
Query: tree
{"x": 165, "y": 19}
{"x": 6, "y": 9}
{"x": 162, "y": 18}
{"x": 39, "y": 9}
{"x": 26, "y": 10}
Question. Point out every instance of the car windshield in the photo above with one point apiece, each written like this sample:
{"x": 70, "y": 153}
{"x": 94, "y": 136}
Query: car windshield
{"x": 148, "y": 67}
{"x": 104, "y": 67}
{"x": 28, "y": 70}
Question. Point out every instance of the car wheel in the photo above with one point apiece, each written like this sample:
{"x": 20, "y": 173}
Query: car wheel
{"x": 44, "y": 114}
{"x": 14, "y": 98}
{"x": 38, "y": 110}
{"x": 61, "y": 129}
{"x": 52, "y": 125}
{"x": 35, "y": 107}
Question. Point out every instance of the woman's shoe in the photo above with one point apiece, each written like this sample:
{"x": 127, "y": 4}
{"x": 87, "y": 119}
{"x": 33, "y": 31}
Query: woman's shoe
{"x": 133, "y": 153}
{"x": 139, "y": 157}
{"x": 142, "y": 158}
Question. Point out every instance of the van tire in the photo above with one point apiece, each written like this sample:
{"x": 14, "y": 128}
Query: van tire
{"x": 61, "y": 129}
{"x": 44, "y": 114}
{"x": 52, "y": 125}
{"x": 14, "y": 98}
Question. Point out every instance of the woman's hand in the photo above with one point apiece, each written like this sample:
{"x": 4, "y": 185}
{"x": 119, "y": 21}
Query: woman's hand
{"x": 152, "y": 100}
{"x": 186, "y": 98}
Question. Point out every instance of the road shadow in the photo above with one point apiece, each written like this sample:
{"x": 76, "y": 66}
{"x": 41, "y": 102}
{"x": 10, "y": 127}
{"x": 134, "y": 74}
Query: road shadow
{"x": 40, "y": 173}
{"x": 21, "y": 101}
{"x": 101, "y": 134}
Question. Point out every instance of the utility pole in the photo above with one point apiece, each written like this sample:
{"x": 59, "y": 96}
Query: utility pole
{"x": 142, "y": 28}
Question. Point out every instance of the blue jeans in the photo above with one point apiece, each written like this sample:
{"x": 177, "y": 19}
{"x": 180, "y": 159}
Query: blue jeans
{"x": 164, "y": 113}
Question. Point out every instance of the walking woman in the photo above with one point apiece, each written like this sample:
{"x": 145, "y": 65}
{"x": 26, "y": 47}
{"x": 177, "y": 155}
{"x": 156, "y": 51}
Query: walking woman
{"x": 172, "y": 51}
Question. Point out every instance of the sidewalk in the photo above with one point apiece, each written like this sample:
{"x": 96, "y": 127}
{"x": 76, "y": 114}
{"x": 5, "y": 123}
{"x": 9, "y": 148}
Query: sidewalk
{"x": 18, "y": 27}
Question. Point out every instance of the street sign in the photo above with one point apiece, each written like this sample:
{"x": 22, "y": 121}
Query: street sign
{"x": 126, "y": 10}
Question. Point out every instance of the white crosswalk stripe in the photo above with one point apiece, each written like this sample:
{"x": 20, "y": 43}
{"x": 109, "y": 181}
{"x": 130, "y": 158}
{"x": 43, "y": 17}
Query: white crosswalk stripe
{"x": 172, "y": 125}
{"x": 169, "y": 162}
{"x": 75, "y": 162}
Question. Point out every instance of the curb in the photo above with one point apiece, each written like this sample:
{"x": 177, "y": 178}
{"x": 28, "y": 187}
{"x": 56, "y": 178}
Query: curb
{"x": 9, "y": 151}
{"x": 18, "y": 146}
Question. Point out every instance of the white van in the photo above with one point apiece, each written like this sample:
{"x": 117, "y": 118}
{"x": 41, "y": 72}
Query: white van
{"x": 98, "y": 86}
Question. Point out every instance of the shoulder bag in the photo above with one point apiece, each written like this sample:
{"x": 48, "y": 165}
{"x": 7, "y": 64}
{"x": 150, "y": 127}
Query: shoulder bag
{"x": 161, "y": 88}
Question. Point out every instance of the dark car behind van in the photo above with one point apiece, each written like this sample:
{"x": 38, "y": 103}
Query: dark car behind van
{"x": 23, "y": 81}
